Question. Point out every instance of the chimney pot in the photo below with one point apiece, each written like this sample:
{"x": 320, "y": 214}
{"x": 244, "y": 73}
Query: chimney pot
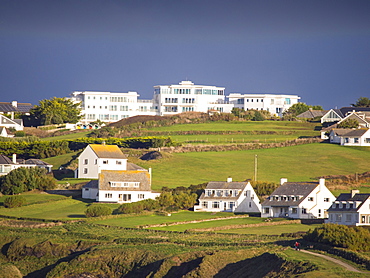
{"x": 229, "y": 179}
{"x": 283, "y": 180}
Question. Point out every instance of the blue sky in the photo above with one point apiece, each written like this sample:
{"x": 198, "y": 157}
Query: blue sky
{"x": 319, "y": 50}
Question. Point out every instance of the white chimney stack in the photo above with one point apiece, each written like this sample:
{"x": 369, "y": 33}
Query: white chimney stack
{"x": 14, "y": 158}
{"x": 283, "y": 180}
{"x": 229, "y": 179}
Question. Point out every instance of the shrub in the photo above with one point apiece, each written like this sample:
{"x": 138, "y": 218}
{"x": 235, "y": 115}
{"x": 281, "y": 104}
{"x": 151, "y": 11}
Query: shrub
{"x": 98, "y": 210}
{"x": 14, "y": 201}
{"x": 19, "y": 133}
{"x": 138, "y": 207}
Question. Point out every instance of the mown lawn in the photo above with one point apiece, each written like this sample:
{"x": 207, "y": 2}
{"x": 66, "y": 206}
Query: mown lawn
{"x": 296, "y": 163}
{"x": 132, "y": 221}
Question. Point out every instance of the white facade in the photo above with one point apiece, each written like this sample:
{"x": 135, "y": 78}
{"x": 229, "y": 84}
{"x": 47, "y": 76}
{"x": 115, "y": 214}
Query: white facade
{"x": 350, "y": 137}
{"x": 125, "y": 196}
{"x": 111, "y": 107}
{"x": 229, "y": 197}
{"x": 96, "y": 158}
{"x": 351, "y": 209}
{"x": 185, "y": 96}
{"x": 17, "y": 124}
{"x": 304, "y": 200}
{"x": 275, "y": 104}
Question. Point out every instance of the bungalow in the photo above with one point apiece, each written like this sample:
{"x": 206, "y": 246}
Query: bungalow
{"x": 7, "y": 164}
{"x": 229, "y": 196}
{"x": 350, "y": 209}
{"x": 300, "y": 200}
{"x": 96, "y": 158}
{"x": 350, "y": 137}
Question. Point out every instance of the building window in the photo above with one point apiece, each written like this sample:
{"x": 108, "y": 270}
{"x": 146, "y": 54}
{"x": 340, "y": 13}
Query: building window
{"x": 326, "y": 200}
{"x": 363, "y": 219}
{"x": 348, "y": 217}
{"x": 355, "y": 140}
{"x": 105, "y": 161}
{"x": 118, "y": 162}
{"x": 231, "y": 205}
{"x": 108, "y": 195}
{"x": 86, "y": 161}
{"x": 338, "y": 217}
{"x": 216, "y": 204}
{"x": 304, "y": 211}
{"x": 85, "y": 170}
{"x": 205, "y": 204}
{"x": 140, "y": 196}
{"x": 250, "y": 204}
{"x": 310, "y": 199}
{"x": 346, "y": 140}
{"x": 294, "y": 210}
{"x": 267, "y": 210}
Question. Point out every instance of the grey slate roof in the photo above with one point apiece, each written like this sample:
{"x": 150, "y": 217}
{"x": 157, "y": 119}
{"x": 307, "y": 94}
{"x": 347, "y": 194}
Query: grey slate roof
{"x": 92, "y": 184}
{"x": 132, "y": 166}
{"x": 226, "y": 185}
{"x": 33, "y": 161}
{"x": 350, "y": 132}
{"x": 223, "y": 185}
{"x": 6, "y": 107}
{"x": 346, "y": 197}
{"x": 345, "y": 110}
{"x": 312, "y": 114}
{"x": 5, "y": 160}
{"x": 290, "y": 189}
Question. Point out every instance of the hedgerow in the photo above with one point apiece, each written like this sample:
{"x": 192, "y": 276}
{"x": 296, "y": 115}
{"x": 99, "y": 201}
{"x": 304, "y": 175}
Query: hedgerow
{"x": 98, "y": 210}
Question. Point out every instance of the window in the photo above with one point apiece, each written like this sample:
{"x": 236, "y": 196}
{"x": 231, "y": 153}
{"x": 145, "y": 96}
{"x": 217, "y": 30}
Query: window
{"x": 326, "y": 199}
{"x": 108, "y": 195}
{"x": 294, "y": 210}
{"x": 310, "y": 199}
{"x": 105, "y": 161}
{"x": 346, "y": 140}
{"x": 231, "y": 205}
{"x": 267, "y": 210}
{"x": 304, "y": 211}
{"x": 250, "y": 204}
{"x": 205, "y": 204}
{"x": 216, "y": 204}
{"x": 85, "y": 170}
{"x": 338, "y": 217}
{"x": 348, "y": 217}
{"x": 355, "y": 140}
{"x": 118, "y": 162}
{"x": 363, "y": 219}
{"x": 86, "y": 161}
{"x": 140, "y": 196}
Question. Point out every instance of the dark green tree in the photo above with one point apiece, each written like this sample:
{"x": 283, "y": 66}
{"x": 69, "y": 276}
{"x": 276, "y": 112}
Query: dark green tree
{"x": 26, "y": 179}
{"x": 362, "y": 102}
{"x": 349, "y": 123}
{"x": 55, "y": 111}
{"x": 299, "y": 108}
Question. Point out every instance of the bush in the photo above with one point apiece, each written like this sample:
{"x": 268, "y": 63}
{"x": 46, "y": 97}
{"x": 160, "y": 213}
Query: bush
{"x": 138, "y": 207}
{"x": 98, "y": 210}
{"x": 14, "y": 201}
{"x": 19, "y": 133}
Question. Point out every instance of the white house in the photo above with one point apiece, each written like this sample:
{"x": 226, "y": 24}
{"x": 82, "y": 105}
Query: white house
{"x": 185, "y": 96}
{"x": 350, "y": 209}
{"x": 300, "y": 200}
{"x": 350, "y": 137}
{"x": 17, "y": 124}
{"x": 336, "y": 115}
{"x": 275, "y": 104}
{"x": 7, "y": 164}
{"x": 111, "y": 106}
{"x": 229, "y": 196}
{"x": 96, "y": 158}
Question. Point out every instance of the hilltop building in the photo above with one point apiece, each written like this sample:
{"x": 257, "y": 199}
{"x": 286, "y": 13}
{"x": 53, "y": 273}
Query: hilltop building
{"x": 175, "y": 99}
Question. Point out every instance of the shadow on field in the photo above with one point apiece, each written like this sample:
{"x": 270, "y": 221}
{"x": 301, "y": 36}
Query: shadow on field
{"x": 76, "y": 216}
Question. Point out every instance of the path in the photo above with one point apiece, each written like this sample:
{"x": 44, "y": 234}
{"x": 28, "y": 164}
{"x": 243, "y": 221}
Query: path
{"x": 345, "y": 265}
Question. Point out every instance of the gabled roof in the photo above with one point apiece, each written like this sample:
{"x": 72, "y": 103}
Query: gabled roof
{"x": 346, "y": 110}
{"x": 5, "y": 160}
{"x": 226, "y": 185}
{"x": 33, "y": 161}
{"x": 107, "y": 151}
{"x": 312, "y": 114}
{"x": 291, "y": 189}
{"x": 6, "y": 107}
{"x": 347, "y": 197}
{"x": 6, "y": 120}
{"x": 349, "y": 132}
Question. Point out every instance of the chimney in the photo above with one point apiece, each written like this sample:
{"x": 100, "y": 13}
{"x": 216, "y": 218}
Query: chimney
{"x": 103, "y": 143}
{"x": 354, "y": 192}
{"x": 14, "y": 103}
{"x": 14, "y": 158}
{"x": 150, "y": 176}
{"x": 321, "y": 182}
{"x": 283, "y": 180}
{"x": 229, "y": 179}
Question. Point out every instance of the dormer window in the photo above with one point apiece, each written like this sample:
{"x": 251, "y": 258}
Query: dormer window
{"x": 105, "y": 161}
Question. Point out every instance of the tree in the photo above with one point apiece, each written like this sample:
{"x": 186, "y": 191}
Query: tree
{"x": 166, "y": 199}
{"x": 362, "y": 102}
{"x": 14, "y": 201}
{"x": 26, "y": 179}
{"x": 349, "y": 123}
{"x": 55, "y": 111}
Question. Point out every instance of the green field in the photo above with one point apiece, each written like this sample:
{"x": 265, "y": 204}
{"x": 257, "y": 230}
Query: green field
{"x": 296, "y": 163}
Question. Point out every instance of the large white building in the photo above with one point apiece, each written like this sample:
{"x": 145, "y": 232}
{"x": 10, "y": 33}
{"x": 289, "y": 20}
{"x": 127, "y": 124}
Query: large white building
{"x": 275, "y": 104}
{"x": 185, "y": 96}
{"x": 174, "y": 99}
{"x": 111, "y": 107}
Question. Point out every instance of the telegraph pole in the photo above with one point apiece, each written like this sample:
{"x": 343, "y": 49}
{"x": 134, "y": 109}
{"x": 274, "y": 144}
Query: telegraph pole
{"x": 255, "y": 168}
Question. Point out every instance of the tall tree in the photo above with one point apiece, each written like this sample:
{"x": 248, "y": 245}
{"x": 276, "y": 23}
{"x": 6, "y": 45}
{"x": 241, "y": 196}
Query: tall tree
{"x": 362, "y": 102}
{"x": 55, "y": 111}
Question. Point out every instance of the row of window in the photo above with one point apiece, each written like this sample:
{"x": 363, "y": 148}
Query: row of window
{"x": 216, "y": 204}
{"x": 337, "y": 217}
{"x": 86, "y": 161}
{"x": 124, "y": 197}
{"x": 124, "y": 184}
{"x": 112, "y": 99}
{"x": 293, "y": 198}
{"x": 220, "y": 193}
{"x": 282, "y": 211}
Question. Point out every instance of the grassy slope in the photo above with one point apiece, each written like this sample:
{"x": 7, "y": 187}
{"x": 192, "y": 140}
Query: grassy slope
{"x": 297, "y": 163}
